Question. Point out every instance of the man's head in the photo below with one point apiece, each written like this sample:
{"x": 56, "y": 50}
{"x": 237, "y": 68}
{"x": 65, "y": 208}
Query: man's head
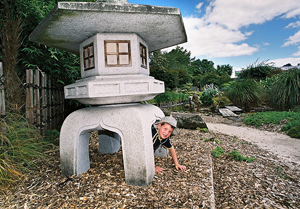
{"x": 167, "y": 126}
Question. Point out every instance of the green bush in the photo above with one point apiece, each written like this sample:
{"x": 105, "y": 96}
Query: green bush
{"x": 274, "y": 117}
{"x": 245, "y": 93}
{"x": 257, "y": 70}
{"x": 296, "y": 109}
{"x": 170, "y": 96}
{"x": 221, "y": 101}
{"x": 206, "y": 99}
{"x": 295, "y": 131}
{"x": 285, "y": 92}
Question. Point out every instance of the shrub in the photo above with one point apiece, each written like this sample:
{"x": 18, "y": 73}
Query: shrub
{"x": 294, "y": 132}
{"x": 170, "y": 96}
{"x": 206, "y": 99}
{"x": 285, "y": 93}
{"x": 274, "y": 117}
{"x": 257, "y": 70}
{"x": 296, "y": 109}
{"x": 244, "y": 93}
{"x": 221, "y": 101}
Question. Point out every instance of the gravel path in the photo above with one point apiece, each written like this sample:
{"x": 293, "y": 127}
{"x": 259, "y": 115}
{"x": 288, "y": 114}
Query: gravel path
{"x": 283, "y": 146}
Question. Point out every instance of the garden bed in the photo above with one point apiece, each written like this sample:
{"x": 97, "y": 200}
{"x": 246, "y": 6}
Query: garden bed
{"x": 263, "y": 183}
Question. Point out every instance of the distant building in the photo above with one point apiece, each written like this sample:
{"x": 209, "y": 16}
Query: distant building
{"x": 289, "y": 67}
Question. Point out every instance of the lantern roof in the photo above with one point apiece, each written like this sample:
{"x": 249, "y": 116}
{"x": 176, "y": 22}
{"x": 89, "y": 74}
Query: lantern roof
{"x": 70, "y": 23}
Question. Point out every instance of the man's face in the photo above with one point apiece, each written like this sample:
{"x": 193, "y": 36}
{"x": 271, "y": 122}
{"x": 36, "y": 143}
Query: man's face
{"x": 165, "y": 130}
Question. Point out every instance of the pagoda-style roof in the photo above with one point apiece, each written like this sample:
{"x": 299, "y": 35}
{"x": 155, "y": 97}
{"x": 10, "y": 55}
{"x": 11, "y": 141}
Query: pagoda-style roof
{"x": 70, "y": 23}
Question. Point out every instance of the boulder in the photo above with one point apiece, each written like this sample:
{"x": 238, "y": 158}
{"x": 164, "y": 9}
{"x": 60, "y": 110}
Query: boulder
{"x": 166, "y": 111}
{"x": 189, "y": 120}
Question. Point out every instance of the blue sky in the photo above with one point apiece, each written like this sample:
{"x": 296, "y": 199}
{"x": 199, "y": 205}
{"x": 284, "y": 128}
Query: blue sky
{"x": 240, "y": 32}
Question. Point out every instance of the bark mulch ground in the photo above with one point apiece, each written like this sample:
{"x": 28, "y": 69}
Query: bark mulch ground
{"x": 208, "y": 182}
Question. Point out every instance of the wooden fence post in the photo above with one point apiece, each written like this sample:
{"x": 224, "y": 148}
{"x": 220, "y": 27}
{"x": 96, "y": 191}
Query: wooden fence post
{"x": 36, "y": 100}
{"x": 2, "y": 101}
{"x": 44, "y": 104}
{"x": 29, "y": 95}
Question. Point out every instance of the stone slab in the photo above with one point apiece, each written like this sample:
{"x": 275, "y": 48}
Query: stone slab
{"x": 227, "y": 113}
{"x": 234, "y": 108}
{"x": 70, "y": 23}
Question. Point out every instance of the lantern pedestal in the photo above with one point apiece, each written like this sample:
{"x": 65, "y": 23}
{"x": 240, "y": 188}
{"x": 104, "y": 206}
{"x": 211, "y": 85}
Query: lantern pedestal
{"x": 131, "y": 122}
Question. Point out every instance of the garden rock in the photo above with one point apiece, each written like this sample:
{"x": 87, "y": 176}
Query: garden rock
{"x": 189, "y": 120}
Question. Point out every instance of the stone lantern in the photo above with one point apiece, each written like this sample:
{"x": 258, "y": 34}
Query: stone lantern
{"x": 113, "y": 39}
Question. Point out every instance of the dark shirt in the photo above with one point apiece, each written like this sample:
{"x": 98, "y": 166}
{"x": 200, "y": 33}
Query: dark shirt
{"x": 157, "y": 141}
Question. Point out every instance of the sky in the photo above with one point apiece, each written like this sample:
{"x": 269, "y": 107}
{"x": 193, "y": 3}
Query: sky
{"x": 240, "y": 32}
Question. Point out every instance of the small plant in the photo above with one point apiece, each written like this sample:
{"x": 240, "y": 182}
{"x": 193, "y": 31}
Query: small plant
{"x": 217, "y": 152}
{"x": 211, "y": 90}
{"x": 280, "y": 172}
{"x": 204, "y": 130}
{"x": 247, "y": 143}
{"x": 210, "y": 139}
{"x": 238, "y": 157}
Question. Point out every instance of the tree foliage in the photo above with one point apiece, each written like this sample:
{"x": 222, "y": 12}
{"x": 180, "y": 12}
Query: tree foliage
{"x": 257, "y": 70}
{"x": 177, "y": 68}
{"x": 224, "y": 70}
{"x": 63, "y": 67}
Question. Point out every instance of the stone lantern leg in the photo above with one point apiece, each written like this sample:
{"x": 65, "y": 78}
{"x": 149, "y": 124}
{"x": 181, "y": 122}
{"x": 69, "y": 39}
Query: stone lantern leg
{"x": 132, "y": 122}
{"x": 113, "y": 39}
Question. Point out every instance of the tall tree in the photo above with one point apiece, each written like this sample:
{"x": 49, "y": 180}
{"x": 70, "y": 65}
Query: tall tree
{"x": 224, "y": 69}
{"x": 206, "y": 66}
{"x": 257, "y": 70}
{"x": 10, "y": 39}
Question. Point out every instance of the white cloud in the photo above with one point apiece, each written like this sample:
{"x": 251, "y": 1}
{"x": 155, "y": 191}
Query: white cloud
{"x": 293, "y": 12}
{"x": 297, "y": 53}
{"x": 292, "y": 40}
{"x": 293, "y": 25}
{"x": 199, "y": 5}
{"x": 213, "y": 40}
{"x": 283, "y": 61}
{"x": 235, "y": 14}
